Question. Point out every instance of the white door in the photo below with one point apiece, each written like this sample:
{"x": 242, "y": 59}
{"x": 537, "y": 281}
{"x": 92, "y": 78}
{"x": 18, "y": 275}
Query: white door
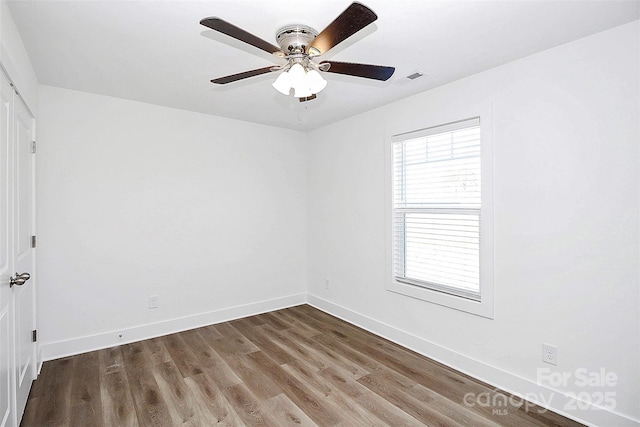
{"x": 7, "y": 387}
{"x": 17, "y": 292}
{"x": 24, "y": 295}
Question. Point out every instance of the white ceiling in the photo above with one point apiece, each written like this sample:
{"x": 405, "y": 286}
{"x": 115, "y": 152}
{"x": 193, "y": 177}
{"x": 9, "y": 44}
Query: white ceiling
{"x": 157, "y": 52}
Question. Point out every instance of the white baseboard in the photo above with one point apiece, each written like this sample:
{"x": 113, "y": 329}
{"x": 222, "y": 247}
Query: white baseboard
{"x": 545, "y": 397}
{"x": 58, "y": 349}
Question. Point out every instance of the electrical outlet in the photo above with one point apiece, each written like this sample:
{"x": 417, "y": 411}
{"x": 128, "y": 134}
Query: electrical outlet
{"x": 153, "y": 301}
{"x": 326, "y": 283}
{"x": 549, "y": 354}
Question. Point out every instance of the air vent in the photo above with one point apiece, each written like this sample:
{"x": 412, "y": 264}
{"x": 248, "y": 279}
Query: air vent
{"x": 415, "y": 75}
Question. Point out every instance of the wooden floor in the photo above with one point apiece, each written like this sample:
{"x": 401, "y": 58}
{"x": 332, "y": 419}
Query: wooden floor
{"x": 297, "y": 366}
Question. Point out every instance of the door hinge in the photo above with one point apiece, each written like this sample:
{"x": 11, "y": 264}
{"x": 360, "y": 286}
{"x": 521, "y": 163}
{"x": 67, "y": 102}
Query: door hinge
{"x": 34, "y": 335}
{"x": 33, "y": 147}
{"x": 33, "y": 241}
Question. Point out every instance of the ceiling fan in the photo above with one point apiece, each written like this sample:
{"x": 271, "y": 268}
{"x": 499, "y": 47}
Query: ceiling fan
{"x": 299, "y": 45}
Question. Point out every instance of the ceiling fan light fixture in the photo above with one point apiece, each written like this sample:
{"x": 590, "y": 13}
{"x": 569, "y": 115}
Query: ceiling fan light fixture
{"x": 283, "y": 83}
{"x": 302, "y": 92}
{"x": 315, "y": 81}
{"x": 297, "y": 74}
{"x": 304, "y": 81}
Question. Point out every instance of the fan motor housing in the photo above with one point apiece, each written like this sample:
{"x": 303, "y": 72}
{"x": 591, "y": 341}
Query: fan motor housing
{"x": 295, "y": 38}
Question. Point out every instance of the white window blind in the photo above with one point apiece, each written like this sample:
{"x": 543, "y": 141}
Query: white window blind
{"x": 436, "y": 208}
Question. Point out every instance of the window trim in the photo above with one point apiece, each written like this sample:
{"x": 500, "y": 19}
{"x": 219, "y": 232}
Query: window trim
{"x": 485, "y": 307}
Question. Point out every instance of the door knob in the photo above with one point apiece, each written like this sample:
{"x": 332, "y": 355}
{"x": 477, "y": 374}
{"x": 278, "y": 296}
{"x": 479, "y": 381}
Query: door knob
{"x": 19, "y": 280}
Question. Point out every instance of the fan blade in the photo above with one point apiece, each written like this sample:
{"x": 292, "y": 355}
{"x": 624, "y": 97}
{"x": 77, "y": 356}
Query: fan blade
{"x": 235, "y": 77}
{"x": 368, "y": 71}
{"x": 353, "y": 19}
{"x": 238, "y": 33}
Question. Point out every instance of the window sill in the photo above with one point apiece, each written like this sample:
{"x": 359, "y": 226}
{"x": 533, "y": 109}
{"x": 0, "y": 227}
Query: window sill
{"x": 480, "y": 308}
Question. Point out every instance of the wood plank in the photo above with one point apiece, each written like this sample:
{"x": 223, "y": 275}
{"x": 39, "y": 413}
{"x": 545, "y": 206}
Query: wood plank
{"x": 110, "y": 360}
{"x": 450, "y": 384}
{"x": 209, "y": 333}
{"x": 117, "y": 403}
{"x": 85, "y": 398}
{"x": 274, "y": 322}
{"x": 183, "y": 407}
{"x": 45, "y": 379}
{"x": 348, "y": 404}
{"x": 263, "y": 342}
{"x": 157, "y": 351}
{"x": 295, "y": 366}
{"x": 54, "y": 408}
{"x": 252, "y": 376}
{"x": 330, "y": 357}
{"x": 247, "y": 406}
{"x": 314, "y": 407}
{"x": 285, "y": 413}
{"x": 206, "y": 356}
{"x": 150, "y": 407}
{"x": 256, "y": 320}
{"x": 214, "y": 365}
{"x": 291, "y": 346}
{"x": 206, "y": 391}
{"x": 182, "y": 355}
{"x": 390, "y": 377}
{"x": 31, "y": 416}
{"x": 384, "y": 378}
{"x": 301, "y": 327}
{"x": 233, "y": 342}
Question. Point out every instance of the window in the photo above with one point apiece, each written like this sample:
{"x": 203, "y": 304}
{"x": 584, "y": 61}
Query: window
{"x": 437, "y": 216}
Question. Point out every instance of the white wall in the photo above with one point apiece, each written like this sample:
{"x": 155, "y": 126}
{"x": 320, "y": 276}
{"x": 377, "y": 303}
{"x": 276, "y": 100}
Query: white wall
{"x": 222, "y": 218}
{"x": 137, "y": 200}
{"x": 15, "y": 60}
{"x": 566, "y": 136}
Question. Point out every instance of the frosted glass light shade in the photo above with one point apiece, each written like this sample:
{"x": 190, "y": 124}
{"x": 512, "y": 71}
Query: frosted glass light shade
{"x": 315, "y": 81}
{"x": 283, "y": 83}
{"x": 304, "y": 82}
{"x": 297, "y": 74}
{"x": 302, "y": 91}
